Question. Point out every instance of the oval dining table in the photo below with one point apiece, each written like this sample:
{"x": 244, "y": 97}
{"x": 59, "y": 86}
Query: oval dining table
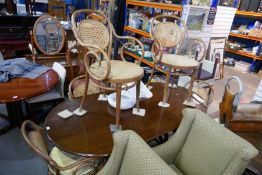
{"x": 18, "y": 89}
{"x": 90, "y": 135}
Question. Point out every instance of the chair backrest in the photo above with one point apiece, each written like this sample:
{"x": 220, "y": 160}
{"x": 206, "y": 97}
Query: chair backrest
{"x": 210, "y": 148}
{"x": 131, "y": 155}
{"x": 167, "y": 32}
{"x": 33, "y": 135}
{"x": 93, "y": 28}
{"x": 61, "y": 71}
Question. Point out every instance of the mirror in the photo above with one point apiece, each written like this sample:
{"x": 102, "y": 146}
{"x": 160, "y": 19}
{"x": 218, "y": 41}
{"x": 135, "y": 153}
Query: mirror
{"x": 48, "y": 35}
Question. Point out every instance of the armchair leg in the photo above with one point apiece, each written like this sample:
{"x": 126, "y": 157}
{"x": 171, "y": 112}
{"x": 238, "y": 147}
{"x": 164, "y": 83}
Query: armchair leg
{"x": 118, "y": 102}
{"x": 151, "y": 76}
{"x": 85, "y": 92}
{"x": 191, "y": 84}
{"x": 137, "y": 95}
{"x": 165, "y": 98}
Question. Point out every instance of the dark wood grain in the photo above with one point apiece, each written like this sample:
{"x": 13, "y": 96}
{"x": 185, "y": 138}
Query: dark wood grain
{"x": 90, "y": 135}
{"x": 18, "y": 89}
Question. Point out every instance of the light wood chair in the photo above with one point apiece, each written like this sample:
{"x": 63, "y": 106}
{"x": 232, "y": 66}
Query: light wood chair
{"x": 167, "y": 34}
{"x": 94, "y": 31}
{"x": 58, "y": 161}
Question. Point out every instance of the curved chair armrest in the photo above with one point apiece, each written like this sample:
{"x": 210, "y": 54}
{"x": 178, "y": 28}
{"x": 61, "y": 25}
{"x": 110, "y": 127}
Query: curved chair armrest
{"x": 157, "y": 45}
{"x": 201, "y": 43}
{"x": 70, "y": 93}
{"x": 132, "y": 41}
{"x": 169, "y": 150}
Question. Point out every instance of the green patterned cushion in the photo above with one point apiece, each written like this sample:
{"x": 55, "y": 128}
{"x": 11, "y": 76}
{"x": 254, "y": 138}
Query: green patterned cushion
{"x": 140, "y": 159}
{"x": 210, "y": 148}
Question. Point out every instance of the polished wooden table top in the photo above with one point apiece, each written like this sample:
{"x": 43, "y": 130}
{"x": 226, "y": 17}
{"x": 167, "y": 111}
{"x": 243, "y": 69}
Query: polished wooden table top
{"x": 18, "y": 89}
{"x": 90, "y": 134}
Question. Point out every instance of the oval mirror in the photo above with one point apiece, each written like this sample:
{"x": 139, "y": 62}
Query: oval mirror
{"x": 48, "y": 35}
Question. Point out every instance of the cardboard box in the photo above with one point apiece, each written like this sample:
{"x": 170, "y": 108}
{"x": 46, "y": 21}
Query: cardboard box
{"x": 242, "y": 66}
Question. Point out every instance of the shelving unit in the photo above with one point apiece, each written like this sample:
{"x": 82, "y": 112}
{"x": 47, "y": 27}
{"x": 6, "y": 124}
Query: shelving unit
{"x": 245, "y": 36}
{"x": 248, "y": 14}
{"x": 240, "y": 52}
{"x": 163, "y": 6}
{"x": 140, "y": 32}
{"x": 257, "y": 57}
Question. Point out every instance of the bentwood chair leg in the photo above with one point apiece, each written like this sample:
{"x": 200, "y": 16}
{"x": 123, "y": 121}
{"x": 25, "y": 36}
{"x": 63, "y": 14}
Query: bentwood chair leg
{"x": 151, "y": 76}
{"x": 166, "y": 87}
{"x": 85, "y": 91}
{"x": 118, "y": 102}
{"x": 137, "y": 95}
{"x": 191, "y": 84}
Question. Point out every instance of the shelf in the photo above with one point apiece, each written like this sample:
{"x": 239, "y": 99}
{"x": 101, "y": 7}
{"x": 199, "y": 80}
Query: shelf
{"x": 164, "y": 6}
{"x": 151, "y": 64}
{"x": 252, "y": 14}
{"x": 240, "y": 52}
{"x": 245, "y": 36}
{"x": 140, "y": 32}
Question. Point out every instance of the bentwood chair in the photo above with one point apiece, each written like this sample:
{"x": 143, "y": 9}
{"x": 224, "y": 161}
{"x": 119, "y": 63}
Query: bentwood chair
{"x": 58, "y": 161}
{"x": 77, "y": 74}
{"x": 168, "y": 35}
{"x": 200, "y": 146}
{"x": 94, "y": 31}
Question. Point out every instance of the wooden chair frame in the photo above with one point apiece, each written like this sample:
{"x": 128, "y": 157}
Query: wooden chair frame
{"x": 157, "y": 50}
{"x": 52, "y": 164}
{"x": 95, "y": 52}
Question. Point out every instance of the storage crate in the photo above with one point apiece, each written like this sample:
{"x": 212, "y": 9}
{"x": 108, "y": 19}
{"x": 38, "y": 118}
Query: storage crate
{"x": 242, "y": 66}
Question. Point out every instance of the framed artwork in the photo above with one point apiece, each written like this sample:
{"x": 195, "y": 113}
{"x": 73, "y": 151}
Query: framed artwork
{"x": 201, "y": 2}
{"x": 216, "y": 47}
{"x": 196, "y": 17}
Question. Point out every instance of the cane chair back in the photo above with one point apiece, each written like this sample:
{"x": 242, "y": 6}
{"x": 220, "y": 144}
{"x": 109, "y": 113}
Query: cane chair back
{"x": 169, "y": 34}
{"x": 94, "y": 33}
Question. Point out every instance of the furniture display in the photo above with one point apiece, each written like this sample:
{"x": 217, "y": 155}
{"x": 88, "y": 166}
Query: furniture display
{"x": 183, "y": 153}
{"x": 56, "y": 95}
{"x": 96, "y": 138}
{"x": 15, "y": 34}
{"x": 238, "y": 116}
{"x": 143, "y": 31}
{"x": 168, "y": 34}
{"x": 245, "y": 32}
{"x": 58, "y": 161}
{"x": 96, "y": 37}
{"x": 197, "y": 145}
{"x": 19, "y": 89}
{"x": 48, "y": 41}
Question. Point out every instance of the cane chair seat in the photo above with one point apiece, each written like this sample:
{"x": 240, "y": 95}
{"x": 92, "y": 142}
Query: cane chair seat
{"x": 78, "y": 88}
{"x": 121, "y": 71}
{"x": 63, "y": 159}
{"x": 178, "y": 61}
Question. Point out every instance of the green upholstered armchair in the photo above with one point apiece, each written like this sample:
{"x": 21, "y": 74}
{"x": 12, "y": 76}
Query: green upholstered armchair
{"x": 200, "y": 146}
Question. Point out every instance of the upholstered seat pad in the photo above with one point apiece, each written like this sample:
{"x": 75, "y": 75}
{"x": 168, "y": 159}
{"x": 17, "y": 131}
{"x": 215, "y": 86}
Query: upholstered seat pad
{"x": 50, "y": 95}
{"x": 175, "y": 169}
{"x": 178, "y": 61}
{"x": 121, "y": 71}
{"x": 79, "y": 87}
{"x": 64, "y": 159}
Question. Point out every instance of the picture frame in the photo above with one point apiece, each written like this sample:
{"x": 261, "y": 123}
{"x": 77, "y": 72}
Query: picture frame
{"x": 196, "y": 17}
